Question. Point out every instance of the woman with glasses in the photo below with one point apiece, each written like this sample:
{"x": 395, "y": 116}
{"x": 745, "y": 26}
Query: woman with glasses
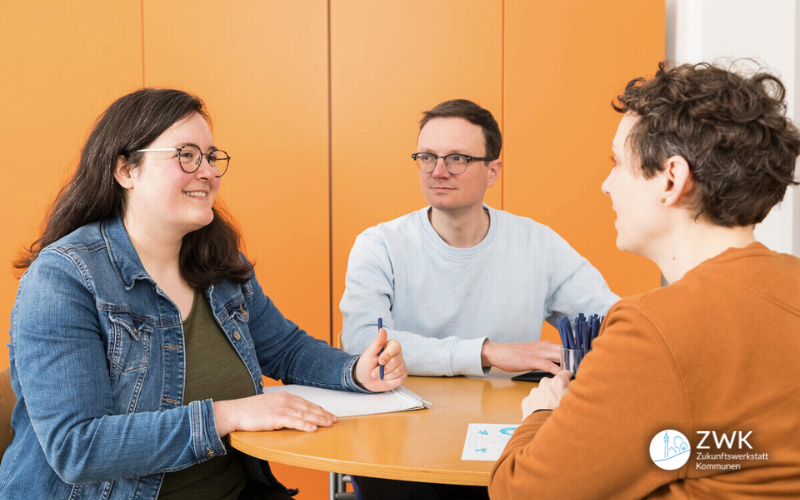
{"x": 140, "y": 334}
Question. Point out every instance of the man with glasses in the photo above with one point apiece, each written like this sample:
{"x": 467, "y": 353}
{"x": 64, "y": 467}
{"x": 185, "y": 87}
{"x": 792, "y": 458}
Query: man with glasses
{"x": 462, "y": 286}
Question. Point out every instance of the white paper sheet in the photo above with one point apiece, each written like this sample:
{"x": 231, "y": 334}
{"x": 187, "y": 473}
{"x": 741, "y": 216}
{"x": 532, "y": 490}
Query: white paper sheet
{"x": 350, "y": 404}
{"x": 486, "y": 441}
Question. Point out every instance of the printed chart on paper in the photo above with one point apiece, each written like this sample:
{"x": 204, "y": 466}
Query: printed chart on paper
{"x": 486, "y": 441}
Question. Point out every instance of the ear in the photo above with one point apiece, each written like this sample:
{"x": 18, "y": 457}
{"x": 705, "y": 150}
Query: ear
{"x": 494, "y": 168}
{"x": 122, "y": 173}
{"x": 678, "y": 180}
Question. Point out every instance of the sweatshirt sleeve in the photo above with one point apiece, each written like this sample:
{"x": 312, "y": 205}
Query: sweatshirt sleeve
{"x": 596, "y": 443}
{"x": 574, "y": 285}
{"x": 369, "y": 295}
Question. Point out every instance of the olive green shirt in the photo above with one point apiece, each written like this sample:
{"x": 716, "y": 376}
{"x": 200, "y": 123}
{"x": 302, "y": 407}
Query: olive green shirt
{"x": 213, "y": 370}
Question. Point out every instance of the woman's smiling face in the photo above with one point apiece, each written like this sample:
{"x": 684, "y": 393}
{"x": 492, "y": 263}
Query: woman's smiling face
{"x": 161, "y": 195}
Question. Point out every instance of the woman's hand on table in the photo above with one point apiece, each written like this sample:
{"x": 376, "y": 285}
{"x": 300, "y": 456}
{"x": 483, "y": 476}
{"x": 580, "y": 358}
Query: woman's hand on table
{"x": 367, "y": 371}
{"x": 267, "y": 412}
{"x": 548, "y": 395}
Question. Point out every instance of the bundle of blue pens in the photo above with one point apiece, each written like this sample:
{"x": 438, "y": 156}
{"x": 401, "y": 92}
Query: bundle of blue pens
{"x": 586, "y": 330}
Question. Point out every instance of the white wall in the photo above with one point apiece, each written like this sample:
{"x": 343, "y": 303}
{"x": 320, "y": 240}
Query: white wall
{"x": 766, "y": 30}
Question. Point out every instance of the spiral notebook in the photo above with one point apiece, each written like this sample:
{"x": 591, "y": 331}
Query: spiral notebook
{"x": 352, "y": 404}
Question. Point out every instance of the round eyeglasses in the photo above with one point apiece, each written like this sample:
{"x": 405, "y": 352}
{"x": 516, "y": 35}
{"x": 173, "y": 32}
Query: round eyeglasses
{"x": 190, "y": 157}
{"x": 454, "y": 164}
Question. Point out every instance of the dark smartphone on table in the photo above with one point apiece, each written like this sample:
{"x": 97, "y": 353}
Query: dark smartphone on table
{"x": 534, "y": 376}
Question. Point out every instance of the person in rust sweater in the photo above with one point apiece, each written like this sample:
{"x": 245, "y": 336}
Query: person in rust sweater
{"x": 692, "y": 390}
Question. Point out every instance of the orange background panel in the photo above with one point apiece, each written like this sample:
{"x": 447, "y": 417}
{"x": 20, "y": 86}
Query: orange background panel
{"x": 262, "y": 70}
{"x": 63, "y": 64}
{"x": 391, "y": 61}
{"x": 564, "y": 62}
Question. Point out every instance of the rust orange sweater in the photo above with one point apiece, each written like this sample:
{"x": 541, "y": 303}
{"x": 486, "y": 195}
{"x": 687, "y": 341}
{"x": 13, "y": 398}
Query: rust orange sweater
{"x": 718, "y": 350}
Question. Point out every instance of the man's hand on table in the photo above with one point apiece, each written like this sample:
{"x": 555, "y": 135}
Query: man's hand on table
{"x": 548, "y": 395}
{"x": 522, "y": 357}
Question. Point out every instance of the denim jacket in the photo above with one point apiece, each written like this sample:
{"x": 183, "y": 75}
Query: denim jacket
{"x": 97, "y": 363}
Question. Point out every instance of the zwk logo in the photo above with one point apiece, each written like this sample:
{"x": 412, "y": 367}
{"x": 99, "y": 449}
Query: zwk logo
{"x": 724, "y": 439}
{"x": 670, "y": 449}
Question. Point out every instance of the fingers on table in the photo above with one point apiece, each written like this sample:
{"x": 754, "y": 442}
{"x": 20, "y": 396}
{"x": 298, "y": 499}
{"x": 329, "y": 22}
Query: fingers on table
{"x": 551, "y": 351}
{"x": 306, "y": 416}
{"x": 549, "y": 367}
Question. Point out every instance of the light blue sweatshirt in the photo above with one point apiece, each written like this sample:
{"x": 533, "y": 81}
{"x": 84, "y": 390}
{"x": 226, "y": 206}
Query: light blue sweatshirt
{"x": 441, "y": 303}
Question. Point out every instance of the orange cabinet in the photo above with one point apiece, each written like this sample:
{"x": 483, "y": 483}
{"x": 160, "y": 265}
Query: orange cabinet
{"x": 564, "y": 62}
{"x": 62, "y": 65}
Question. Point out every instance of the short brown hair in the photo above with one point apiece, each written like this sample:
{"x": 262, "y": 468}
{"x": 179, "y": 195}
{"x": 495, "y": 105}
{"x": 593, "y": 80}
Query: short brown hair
{"x": 730, "y": 128}
{"x": 468, "y": 110}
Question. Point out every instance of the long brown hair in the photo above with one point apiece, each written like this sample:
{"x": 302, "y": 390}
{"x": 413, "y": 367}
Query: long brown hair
{"x": 207, "y": 255}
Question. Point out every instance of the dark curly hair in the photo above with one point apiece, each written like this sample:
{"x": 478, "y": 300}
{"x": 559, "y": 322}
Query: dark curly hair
{"x": 730, "y": 128}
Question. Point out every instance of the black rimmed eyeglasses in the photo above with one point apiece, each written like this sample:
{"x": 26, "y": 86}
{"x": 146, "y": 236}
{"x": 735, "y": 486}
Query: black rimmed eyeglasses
{"x": 190, "y": 157}
{"x": 455, "y": 164}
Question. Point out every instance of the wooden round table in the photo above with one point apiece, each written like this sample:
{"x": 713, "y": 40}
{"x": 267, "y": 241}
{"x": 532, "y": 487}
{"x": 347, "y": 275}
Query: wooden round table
{"x": 420, "y": 445}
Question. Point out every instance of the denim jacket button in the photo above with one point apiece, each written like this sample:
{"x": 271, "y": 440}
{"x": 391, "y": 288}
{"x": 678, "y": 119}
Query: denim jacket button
{"x": 236, "y": 335}
{"x": 210, "y": 453}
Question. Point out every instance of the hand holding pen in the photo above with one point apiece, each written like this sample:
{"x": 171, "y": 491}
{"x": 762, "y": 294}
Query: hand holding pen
{"x": 381, "y": 367}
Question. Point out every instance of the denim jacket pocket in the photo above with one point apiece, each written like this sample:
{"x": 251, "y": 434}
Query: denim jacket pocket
{"x": 128, "y": 343}
{"x": 237, "y": 312}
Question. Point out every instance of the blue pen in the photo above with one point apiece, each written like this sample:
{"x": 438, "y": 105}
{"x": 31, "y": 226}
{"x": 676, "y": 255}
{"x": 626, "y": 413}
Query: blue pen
{"x": 560, "y": 325}
{"x": 570, "y": 338}
{"x": 380, "y": 325}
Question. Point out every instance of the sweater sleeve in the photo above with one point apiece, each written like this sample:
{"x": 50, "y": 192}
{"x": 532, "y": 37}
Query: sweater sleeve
{"x": 574, "y": 285}
{"x": 596, "y": 443}
{"x": 369, "y": 295}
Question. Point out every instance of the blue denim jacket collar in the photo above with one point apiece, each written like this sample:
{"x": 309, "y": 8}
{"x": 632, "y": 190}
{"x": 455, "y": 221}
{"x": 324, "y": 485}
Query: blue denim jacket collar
{"x": 122, "y": 253}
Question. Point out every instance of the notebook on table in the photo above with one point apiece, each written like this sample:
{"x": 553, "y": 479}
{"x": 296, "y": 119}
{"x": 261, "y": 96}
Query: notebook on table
{"x": 352, "y": 404}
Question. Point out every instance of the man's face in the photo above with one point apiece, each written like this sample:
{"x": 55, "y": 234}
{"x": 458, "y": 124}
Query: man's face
{"x": 640, "y": 221}
{"x": 443, "y": 190}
